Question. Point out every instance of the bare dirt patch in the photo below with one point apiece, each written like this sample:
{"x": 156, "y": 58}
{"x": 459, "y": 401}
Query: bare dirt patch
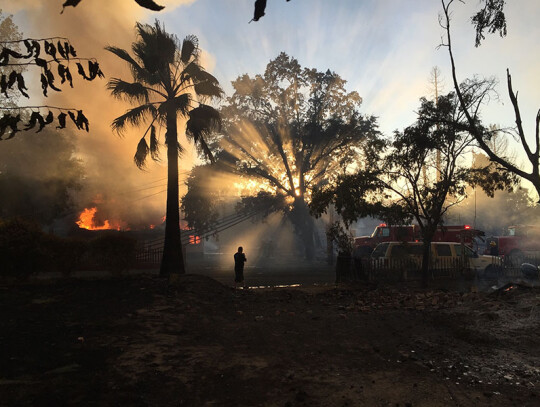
{"x": 140, "y": 342}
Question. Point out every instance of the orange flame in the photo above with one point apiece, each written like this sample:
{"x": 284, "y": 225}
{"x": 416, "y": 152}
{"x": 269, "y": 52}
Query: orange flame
{"x": 87, "y": 221}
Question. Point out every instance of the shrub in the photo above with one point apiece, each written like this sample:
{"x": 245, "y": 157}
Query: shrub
{"x": 20, "y": 248}
{"x": 113, "y": 251}
{"x": 62, "y": 254}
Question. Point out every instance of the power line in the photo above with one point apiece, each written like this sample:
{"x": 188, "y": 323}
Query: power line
{"x": 145, "y": 186}
{"x": 148, "y": 196}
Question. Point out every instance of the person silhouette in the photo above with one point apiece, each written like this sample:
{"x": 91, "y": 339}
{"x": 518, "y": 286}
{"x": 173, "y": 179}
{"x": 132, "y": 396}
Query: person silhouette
{"x": 239, "y": 260}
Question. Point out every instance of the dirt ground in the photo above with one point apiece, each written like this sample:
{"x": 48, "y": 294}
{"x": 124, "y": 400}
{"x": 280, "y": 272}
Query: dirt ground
{"x": 141, "y": 342}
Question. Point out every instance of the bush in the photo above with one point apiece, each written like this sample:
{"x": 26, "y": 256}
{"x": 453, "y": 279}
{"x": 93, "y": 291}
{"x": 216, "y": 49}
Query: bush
{"x": 25, "y": 249}
{"x": 21, "y": 253}
{"x": 62, "y": 254}
{"x": 113, "y": 251}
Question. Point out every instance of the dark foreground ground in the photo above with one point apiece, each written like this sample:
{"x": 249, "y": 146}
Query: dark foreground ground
{"x": 139, "y": 342}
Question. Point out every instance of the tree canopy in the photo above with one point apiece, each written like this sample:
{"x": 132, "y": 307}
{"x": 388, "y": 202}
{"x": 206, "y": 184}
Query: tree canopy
{"x": 410, "y": 180}
{"x": 291, "y": 129}
{"x": 294, "y": 128}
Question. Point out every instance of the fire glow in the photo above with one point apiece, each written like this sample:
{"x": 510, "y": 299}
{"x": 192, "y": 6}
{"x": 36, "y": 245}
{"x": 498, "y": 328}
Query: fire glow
{"x": 87, "y": 221}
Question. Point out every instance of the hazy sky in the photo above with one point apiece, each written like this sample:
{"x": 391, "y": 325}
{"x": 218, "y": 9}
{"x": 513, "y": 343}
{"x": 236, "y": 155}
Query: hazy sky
{"x": 385, "y": 49}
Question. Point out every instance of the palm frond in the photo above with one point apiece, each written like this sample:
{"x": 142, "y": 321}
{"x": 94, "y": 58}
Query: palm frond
{"x": 138, "y": 72}
{"x": 179, "y": 147}
{"x": 203, "y": 76}
{"x": 156, "y": 48}
{"x": 133, "y": 116}
{"x": 208, "y": 89}
{"x": 123, "y": 54}
{"x": 129, "y": 91}
{"x": 182, "y": 103}
{"x": 203, "y": 120}
{"x": 206, "y": 150}
{"x": 154, "y": 145}
{"x": 190, "y": 47}
{"x": 190, "y": 71}
{"x": 141, "y": 153}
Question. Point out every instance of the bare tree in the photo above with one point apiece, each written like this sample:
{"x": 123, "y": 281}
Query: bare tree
{"x": 493, "y": 20}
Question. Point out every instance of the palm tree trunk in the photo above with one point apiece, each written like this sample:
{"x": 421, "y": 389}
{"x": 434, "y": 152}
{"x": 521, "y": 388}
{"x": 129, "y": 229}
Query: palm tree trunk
{"x": 173, "y": 260}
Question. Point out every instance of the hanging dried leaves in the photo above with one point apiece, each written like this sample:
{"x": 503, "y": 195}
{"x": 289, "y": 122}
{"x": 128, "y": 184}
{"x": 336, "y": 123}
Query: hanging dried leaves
{"x": 45, "y": 54}
{"x": 70, "y": 3}
{"x": 9, "y": 122}
{"x": 7, "y": 82}
{"x": 59, "y": 54}
{"x": 61, "y": 121}
{"x": 260, "y": 6}
{"x": 149, "y": 4}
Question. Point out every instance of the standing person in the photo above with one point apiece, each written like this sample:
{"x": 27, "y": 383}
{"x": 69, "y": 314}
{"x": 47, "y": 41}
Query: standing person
{"x": 239, "y": 260}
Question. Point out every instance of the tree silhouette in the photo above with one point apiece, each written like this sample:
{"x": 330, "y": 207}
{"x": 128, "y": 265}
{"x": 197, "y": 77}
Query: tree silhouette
{"x": 494, "y": 22}
{"x": 491, "y": 17}
{"x": 168, "y": 81}
{"x": 294, "y": 128}
{"x": 398, "y": 184}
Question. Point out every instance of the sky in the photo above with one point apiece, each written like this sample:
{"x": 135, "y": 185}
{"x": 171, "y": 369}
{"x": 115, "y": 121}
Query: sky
{"x": 385, "y": 49}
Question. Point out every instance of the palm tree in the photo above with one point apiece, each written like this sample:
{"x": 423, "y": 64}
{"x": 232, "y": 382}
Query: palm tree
{"x": 168, "y": 82}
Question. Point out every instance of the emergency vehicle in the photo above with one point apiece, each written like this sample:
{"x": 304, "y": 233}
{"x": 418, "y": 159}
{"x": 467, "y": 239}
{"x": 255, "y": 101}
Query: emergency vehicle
{"x": 411, "y": 233}
{"x": 521, "y": 241}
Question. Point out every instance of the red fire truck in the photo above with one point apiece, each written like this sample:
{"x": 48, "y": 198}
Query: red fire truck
{"x": 411, "y": 233}
{"x": 521, "y": 241}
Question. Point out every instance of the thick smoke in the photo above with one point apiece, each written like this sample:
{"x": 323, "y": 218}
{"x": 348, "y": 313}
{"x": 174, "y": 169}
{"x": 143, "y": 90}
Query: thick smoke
{"x": 121, "y": 192}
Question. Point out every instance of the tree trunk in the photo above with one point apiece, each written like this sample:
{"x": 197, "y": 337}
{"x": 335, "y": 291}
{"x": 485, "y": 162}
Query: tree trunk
{"x": 304, "y": 226}
{"x": 425, "y": 262}
{"x": 173, "y": 260}
{"x": 429, "y": 232}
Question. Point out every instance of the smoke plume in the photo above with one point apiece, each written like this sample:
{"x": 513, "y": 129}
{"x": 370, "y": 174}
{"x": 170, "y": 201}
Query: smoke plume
{"x": 113, "y": 184}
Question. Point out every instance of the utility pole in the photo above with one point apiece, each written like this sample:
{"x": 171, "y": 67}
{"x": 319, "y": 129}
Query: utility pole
{"x": 435, "y": 80}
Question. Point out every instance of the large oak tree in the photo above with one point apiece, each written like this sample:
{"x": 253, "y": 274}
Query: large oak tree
{"x": 294, "y": 128}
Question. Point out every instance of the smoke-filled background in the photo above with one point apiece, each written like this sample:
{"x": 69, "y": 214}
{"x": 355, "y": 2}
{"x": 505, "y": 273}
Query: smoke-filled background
{"x": 122, "y": 194}
{"x": 385, "y": 50}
